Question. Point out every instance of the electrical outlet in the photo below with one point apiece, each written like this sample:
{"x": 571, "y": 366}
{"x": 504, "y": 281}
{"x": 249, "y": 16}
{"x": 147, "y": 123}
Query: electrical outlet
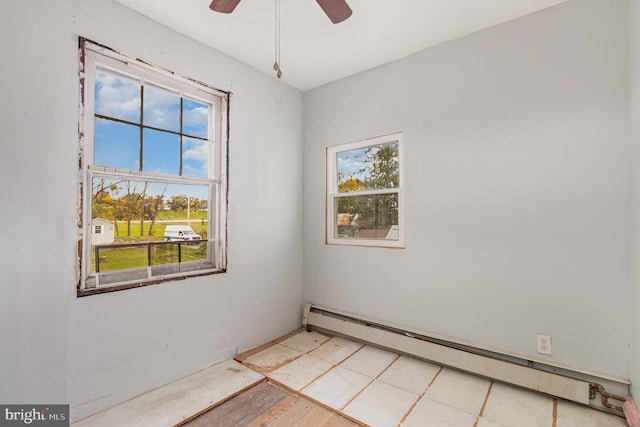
{"x": 544, "y": 344}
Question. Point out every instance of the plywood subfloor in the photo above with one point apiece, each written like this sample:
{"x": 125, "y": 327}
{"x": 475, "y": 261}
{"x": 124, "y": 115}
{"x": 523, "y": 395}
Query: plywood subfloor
{"x": 267, "y": 404}
{"x": 180, "y": 400}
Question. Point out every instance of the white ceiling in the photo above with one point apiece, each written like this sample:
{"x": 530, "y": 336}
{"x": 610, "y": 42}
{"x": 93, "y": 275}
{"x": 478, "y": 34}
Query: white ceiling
{"x": 313, "y": 50}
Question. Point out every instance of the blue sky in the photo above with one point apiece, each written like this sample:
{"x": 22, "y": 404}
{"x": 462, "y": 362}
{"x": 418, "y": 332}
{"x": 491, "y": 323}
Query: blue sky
{"x": 350, "y": 164}
{"x": 117, "y": 144}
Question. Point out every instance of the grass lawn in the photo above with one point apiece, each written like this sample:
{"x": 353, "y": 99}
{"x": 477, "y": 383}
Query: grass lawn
{"x": 132, "y": 257}
{"x": 198, "y": 226}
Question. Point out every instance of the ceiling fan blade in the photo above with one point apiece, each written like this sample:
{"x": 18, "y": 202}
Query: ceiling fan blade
{"x": 336, "y": 10}
{"x": 223, "y": 6}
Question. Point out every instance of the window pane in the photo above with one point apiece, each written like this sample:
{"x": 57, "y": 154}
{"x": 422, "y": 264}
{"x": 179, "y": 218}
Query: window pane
{"x": 131, "y": 213}
{"x": 373, "y": 216}
{"x": 195, "y": 118}
{"x": 161, "y": 152}
{"x": 117, "y": 97}
{"x": 116, "y": 145}
{"x": 368, "y": 168}
{"x": 161, "y": 109}
{"x": 195, "y": 157}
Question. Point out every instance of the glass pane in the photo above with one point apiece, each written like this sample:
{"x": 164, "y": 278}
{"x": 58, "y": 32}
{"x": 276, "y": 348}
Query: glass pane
{"x": 117, "y": 97}
{"x": 161, "y": 152}
{"x": 120, "y": 258}
{"x": 373, "y": 216}
{"x": 161, "y": 109}
{"x": 195, "y": 118}
{"x": 131, "y": 213}
{"x": 195, "y": 157}
{"x": 116, "y": 145}
{"x": 368, "y": 168}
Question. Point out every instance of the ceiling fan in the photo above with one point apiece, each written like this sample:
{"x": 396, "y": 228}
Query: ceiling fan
{"x": 336, "y": 10}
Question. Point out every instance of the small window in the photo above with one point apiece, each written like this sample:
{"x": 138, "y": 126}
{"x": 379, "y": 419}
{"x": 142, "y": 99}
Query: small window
{"x": 153, "y": 157}
{"x": 364, "y": 197}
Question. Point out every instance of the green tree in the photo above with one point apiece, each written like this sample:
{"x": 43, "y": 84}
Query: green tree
{"x": 380, "y": 171}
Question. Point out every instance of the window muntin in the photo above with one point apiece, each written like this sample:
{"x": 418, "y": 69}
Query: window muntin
{"x": 364, "y": 198}
{"x": 154, "y": 154}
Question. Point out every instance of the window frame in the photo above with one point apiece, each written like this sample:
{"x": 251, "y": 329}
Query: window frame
{"x": 332, "y": 193}
{"x": 93, "y": 57}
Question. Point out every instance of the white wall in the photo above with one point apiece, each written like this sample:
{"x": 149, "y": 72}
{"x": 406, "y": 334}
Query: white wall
{"x": 634, "y": 116}
{"x": 95, "y": 351}
{"x": 516, "y": 194}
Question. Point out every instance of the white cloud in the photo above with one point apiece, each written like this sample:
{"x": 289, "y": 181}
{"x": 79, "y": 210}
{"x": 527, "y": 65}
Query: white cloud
{"x": 117, "y": 97}
{"x": 195, "y": 150}
{"x": 196, "y": 117}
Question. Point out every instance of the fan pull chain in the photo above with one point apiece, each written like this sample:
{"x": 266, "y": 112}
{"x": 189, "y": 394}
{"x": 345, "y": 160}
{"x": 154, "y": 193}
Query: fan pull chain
{"x": 276, "y": 64}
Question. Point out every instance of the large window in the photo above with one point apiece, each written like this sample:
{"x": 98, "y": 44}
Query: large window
{"x": 153, "y": 162}
{"x": 364, "y": 193}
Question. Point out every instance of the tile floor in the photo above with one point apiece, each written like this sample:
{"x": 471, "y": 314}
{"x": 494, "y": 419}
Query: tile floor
{"x": 381, "y": 388}
{"x": 372, "y": 386}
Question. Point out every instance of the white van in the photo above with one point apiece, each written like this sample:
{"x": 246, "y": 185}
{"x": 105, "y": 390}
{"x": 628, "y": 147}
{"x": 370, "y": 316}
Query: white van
{"x": 180, "y": 232}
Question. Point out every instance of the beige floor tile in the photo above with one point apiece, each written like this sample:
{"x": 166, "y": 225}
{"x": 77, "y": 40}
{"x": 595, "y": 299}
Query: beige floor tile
{"x": 483, "y": 422}
{"x": 573, "y": 415}
{"x": 337, "y": 387}
{"x": 515, "y": 407}
{"x": 370, "y": 361}
{"x": 304, "y": 341}
{"x": 335, "y": 350}
{"x": 460, "y": 390}
{"x": 429, "y": 413}
{"x": 410, "y": 374}
{"x": 381, "y": 404}
{"x": 173, "y": 403}
{"x": 272, "y": 358}
{"x": 300, "y": 372}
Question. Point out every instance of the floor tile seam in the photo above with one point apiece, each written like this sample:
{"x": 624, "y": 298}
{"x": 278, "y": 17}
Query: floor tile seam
{"x": 221, "y": 401}
{"x": 484, "y": 404}
{"x": 203, "y": 377}
{"x": 317, "y": 377}
{"x": 449, "y": 405}
{"x": 377, "y": 377}
{"x": 491, "y": 420}
{"x": 194, "y": 394}
{"x": 300, "y": 395}
{"x": 432, "y": 380}
{"x": 341, "y": 360}
{"x": 472, "y": 408}
{"x": 352, "y": 354}
{"x": 342, "y": 408}
{"x": 417, "y": 396}
{"x": 302, "y": 350}
{"x": 365, "y": 375}
{"x": 241, "y": 357}
{"x": 322, "y": 360}
{"x": 404, "y": 418}
{"x": 247, "y": 361}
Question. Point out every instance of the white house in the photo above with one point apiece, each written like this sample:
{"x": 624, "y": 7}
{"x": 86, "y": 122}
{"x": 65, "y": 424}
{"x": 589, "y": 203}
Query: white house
{"x": 101, "y": 231}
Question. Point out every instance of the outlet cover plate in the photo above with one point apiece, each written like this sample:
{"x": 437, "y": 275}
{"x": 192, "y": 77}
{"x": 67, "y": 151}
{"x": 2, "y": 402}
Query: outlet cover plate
{"x": 544, "y": 343}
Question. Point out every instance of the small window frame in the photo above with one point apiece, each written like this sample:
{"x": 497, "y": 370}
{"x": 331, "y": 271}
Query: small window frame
{"x": 332, "y": 193}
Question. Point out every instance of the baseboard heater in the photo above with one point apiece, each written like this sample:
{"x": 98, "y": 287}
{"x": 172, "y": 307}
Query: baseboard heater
{"x": 480, "y": 362}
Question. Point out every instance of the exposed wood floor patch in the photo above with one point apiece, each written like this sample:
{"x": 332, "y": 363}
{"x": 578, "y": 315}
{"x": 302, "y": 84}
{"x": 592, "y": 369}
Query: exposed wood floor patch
{"x": 266, "y": 404}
